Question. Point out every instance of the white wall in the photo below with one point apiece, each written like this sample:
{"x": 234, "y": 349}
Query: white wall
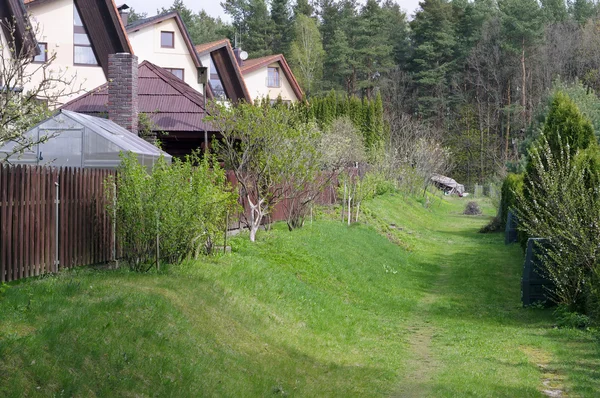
{"x": 53, "y": 22}
{"x": 256, "y": 82}
{"x": 146, "y": 45}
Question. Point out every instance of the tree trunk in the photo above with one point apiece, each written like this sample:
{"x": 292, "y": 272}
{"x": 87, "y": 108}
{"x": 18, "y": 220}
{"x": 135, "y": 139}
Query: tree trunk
{"x": 344, "y": 202}
{"x": 507, "y": 126}
{"x": 256, "y": 216}
{"x": 524, "y": 84}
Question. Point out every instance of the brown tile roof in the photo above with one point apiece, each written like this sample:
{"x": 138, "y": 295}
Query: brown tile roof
{"x": 254, "y": 64}
{"x": 206, "y": 47}
{"x": 171, "y": 104}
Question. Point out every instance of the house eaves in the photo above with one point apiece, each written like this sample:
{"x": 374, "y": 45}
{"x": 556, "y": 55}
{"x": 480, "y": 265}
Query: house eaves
{"x": 228, "y": 69}
{"x": 15, "y": 22}
{"x": 104, "y": 27}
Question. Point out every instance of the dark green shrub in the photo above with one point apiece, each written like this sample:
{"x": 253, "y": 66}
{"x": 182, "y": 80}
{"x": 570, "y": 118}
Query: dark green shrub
{"x": 565, "y": 318}
{"x": 512, "y": 185}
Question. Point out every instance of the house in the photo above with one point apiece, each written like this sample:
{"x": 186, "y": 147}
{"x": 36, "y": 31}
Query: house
{"x": 175, "y": 109}
{"x": 15, "y": 30}
{"x": 225, "y": 77}
{"x": 271, "y": 77}
{"x": 164, "y": 40}
{"x": 81, "y": 34}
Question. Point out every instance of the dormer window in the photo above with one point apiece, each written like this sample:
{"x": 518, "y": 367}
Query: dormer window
{"x": 167, "y": 39}
{"x": 273, "y": 77}
{"x": 83, "y": 53}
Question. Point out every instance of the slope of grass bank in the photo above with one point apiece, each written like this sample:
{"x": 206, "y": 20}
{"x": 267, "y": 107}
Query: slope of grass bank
{"x": 414, "y": 304}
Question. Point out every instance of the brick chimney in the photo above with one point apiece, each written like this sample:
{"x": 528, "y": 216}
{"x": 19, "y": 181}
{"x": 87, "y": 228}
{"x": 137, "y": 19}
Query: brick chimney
{"x": 124, "y": 13}
{"x": 123, "y": 90}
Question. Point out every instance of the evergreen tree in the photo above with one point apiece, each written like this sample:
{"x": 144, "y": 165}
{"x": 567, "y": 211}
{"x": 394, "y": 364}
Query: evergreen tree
{"x": 253, "y": 25}
{"x": 281, "y": 17}
{"x": 303, "y": 7}
{"x": 434, "y": 42}
{"x": 582, "y": 10}
{"x": 554, "y": 10}
{"x": 373, "y": 52}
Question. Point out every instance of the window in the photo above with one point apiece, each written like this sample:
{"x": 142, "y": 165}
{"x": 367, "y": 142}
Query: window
{"x": 273, "y": 77}
{"x": 167, "y": 39}
{"x": 83, "y": 53}
{"x": 215, "y": 82}
{"x": 43, "y": 57}
{"x": 176, "y": 71}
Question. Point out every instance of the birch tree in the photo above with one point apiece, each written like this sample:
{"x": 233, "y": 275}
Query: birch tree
{"x": 306, "y": 52}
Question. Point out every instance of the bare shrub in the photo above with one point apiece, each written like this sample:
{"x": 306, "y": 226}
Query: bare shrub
{"x": 472, "y": 209}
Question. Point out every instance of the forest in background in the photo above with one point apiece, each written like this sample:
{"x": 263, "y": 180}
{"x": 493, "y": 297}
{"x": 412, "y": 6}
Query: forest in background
{"x": 473, "y": 75}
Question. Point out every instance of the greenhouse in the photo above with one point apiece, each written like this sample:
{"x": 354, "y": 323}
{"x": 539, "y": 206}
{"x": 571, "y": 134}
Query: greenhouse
{"x": 71, "y": 139}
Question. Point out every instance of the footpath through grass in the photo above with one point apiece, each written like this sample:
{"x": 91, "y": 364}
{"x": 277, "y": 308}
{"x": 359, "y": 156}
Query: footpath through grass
{"x": 416, "y": 303}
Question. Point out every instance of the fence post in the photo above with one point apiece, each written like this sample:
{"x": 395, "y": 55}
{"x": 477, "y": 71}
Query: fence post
{"x": 56, "y": 202}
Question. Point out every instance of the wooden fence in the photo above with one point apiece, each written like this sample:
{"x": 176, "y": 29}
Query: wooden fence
{"x": 55, "y": 218}
{"x": 51, "y": 219}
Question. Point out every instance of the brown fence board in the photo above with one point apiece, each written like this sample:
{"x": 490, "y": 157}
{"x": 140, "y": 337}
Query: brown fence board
{"x": 28, "y": 220}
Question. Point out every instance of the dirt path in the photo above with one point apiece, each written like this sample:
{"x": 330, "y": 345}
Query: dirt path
{"x": 422, "y": 364}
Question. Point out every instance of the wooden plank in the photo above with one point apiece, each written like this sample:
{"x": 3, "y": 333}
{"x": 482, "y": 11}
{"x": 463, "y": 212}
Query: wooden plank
{"x": 42, "y": 220}
{"x": 10, "y": 223}
{"x": 4, "y": 242}
{"x": 77, "y": 207}
{"x": 52, "y": 242}
{"x": 20, "y": 190}
{"x": 62, "y": 230}
{"x": 34, "y": 221}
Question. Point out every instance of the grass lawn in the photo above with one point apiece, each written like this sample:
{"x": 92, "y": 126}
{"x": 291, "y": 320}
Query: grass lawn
{"x": 413, "y": 303}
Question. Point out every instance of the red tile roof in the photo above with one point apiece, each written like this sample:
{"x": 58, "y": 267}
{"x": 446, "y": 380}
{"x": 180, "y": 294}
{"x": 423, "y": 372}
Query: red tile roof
{"x": 254, "y": 64}
{"x": 169, "y": 102}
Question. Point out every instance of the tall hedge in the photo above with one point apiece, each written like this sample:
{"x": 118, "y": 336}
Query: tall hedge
{"x": 511, "y": 187}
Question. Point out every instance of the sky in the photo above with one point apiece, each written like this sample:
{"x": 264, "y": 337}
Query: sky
{"x": 213, "y": 7}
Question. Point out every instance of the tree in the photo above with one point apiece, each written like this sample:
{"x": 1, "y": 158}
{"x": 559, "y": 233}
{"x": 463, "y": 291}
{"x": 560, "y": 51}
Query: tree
{"x": 433, "y": 46}
{"x": 282, "y": 19}
{"x": 303, "y": 7}
{"x": 136, "y": 16}
{"x": 252, "y": 24}
{"x": 28, "y": 91}
{"x": 522, "y": 23}
{"x": 202, "y": 27}
{"x": 265, "y": 147}
{"x": 306, "y": 53}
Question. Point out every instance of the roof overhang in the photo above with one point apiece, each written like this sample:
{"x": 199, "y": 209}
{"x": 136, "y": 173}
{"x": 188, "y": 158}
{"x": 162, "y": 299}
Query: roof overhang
{"x": 104, "y": 27}
{"x": 15, "y": 23}
{"x": 228, "y": 69}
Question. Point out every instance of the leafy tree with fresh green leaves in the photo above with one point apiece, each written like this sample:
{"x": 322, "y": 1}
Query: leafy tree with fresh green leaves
{"x": 306, "y": 53}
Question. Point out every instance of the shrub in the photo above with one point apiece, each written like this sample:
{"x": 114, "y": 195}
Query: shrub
{"x": 558, "y": 206}
{"x": 494, "y": 225}
{"x": 472, "y": 209}
{"x": 511, "y": 187}
{"x": 177, "y": 210}
{"x": 566, "y": 318}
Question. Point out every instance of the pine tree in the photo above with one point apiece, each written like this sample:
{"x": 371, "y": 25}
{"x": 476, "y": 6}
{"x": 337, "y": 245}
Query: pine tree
{"x": 303, "y": 7}
{"x": 434, "y": 43}
{"x": 281, "y": 17}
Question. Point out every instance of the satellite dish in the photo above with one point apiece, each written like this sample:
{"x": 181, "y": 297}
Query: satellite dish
{"x": 243, "y": 55}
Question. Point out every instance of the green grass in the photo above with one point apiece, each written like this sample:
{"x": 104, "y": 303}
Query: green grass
{"x": 429, "y": 308}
